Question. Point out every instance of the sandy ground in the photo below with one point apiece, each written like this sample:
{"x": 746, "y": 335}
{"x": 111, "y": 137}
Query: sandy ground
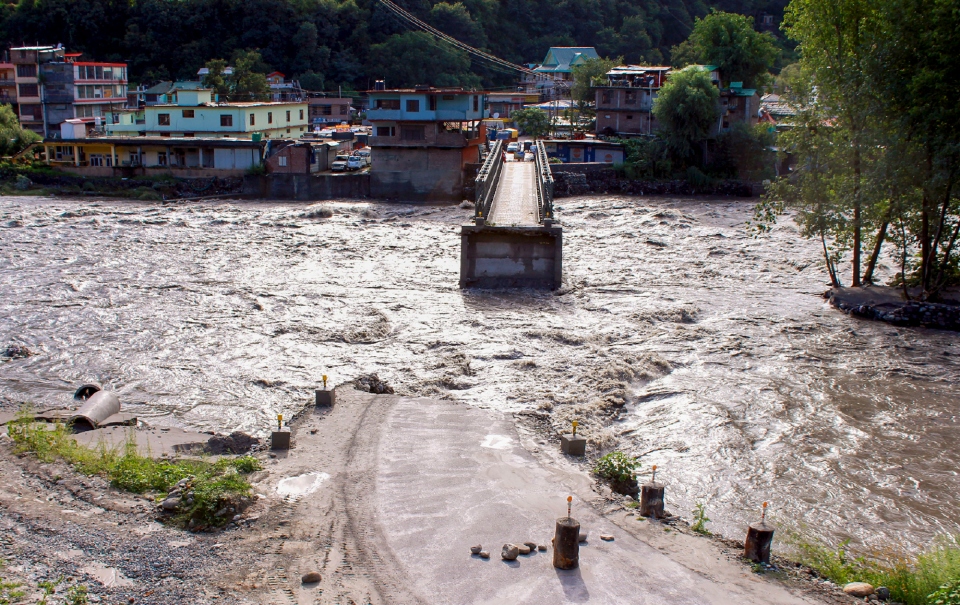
{"x": 382, "y": 495}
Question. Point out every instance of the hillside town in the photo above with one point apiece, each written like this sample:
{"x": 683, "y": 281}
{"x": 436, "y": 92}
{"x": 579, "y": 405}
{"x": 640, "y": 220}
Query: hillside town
{"x": 486, "y": 301}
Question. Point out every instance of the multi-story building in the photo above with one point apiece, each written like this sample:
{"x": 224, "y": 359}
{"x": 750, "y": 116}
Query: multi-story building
{"x": 329, "y": 110}
{"x": 195, "y": 115}
{"x": 54, "y": 86}
{"x": 8, "y": 81}
{"x": 422, "y": 140}
{"x": 554, "y": 77}
{"x": 625, "y": 102}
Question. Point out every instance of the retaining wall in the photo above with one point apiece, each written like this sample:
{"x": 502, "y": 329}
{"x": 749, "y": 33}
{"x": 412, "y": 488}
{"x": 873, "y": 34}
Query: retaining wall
{"x": 307, "y": 187}
{"x": 511, "y": 257}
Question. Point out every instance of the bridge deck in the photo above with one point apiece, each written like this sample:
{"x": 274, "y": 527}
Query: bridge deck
{"x": 515, "y": 203}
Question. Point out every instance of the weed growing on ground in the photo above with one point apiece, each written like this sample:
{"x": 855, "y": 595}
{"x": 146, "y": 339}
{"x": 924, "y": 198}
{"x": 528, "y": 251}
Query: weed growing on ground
{"x": 9, "y": 591}
{"x": 700, "y": 519}
{"x": 214, "y": 485}
{"x": 919, "y": 580}
{"x": 77, "y": 595}
{"x": 617, "y": 466}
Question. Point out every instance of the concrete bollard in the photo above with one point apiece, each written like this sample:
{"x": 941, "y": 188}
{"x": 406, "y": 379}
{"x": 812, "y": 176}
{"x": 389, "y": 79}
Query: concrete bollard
{"x": 280, "y": 440}
{"x": 651, "y": 500}
{"x": 566, "y": 544}
{"x": 757, "y": 545}
{"x": 325, "y": 397}
{"x": 572, "y": 445}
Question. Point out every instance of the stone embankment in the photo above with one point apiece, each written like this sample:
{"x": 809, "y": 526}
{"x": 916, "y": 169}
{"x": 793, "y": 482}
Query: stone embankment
{"x": 574, "y": 180}
{"x": 881, "y": 304}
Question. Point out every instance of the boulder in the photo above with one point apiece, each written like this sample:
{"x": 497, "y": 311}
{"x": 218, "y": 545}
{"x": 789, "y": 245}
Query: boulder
{"x": 476, "y": 549}
{"x": 532, "y": 545}
{"x": 170, "y": 504}
{"x": 606, "y": 537}
{"x": 583, "y": 537}
{"x": 883, "y": 593}
{"x": 542, "y": 547}
{"x": 858, "y": 589}
{"x": 510, "y": 552}
{"x": 311, "y": 577}
{"x": 484, "y": 554}
{"x": 523, "y": 549}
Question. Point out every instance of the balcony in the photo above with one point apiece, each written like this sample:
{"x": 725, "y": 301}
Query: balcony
{"x": 439, "y": 115}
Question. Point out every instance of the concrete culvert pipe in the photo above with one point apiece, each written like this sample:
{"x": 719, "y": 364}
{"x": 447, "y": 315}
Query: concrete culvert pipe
{"x": 84, "y": 392}
{"x": 98, "y": 407}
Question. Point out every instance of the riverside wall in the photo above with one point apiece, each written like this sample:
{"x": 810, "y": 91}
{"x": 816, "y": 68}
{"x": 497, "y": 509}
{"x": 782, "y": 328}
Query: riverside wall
{"x": 597, "y": 178}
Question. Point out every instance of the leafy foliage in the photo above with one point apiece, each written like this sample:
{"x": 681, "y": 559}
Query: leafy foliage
{"x": 687, "y": 108}
{"x": 212, "y": 484}
{"x": 335, "y": 38}
{"x": 730, "y": 42}
{"x": 13, "y": 137}
{"x": 700, "y": 519}
{"x": 617, "y": 466}
{"x": 948, "y": 594}
{"x": 532, "y": 121}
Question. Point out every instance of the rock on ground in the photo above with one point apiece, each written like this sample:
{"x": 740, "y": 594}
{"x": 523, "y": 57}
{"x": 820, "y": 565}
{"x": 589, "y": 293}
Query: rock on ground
{"x": 858, "y": 589}
{"x": 510, "y": 552}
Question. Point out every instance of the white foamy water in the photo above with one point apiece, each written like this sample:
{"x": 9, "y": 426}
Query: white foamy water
{"x": 301, "y": 485}
{"x": 677, "y": 336}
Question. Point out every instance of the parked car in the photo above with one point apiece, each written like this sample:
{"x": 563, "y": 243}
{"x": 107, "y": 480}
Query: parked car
{"x": 354, "y": 162}
{"x": 363, "y": 154}
{"x": 513, "y": 148}
{"x": 340, "y": 164}
{"x": 528, "y": 156}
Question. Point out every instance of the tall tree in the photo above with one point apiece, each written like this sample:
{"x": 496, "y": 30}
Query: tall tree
{"x": 728, "y": 41}
{"x": 248, "y": 80}
{"x": 687, "y": 110}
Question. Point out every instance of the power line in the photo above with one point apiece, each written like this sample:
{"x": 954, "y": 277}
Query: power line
{"x": 479, "y": 54}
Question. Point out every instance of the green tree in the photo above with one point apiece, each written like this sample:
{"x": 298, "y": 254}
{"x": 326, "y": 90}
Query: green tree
{"x": 532, "y": 121}
{"x": 248, "y": 80}
{"x": 729, "y": 41}
{"x": 13, "y": 137}
{"x": 687, "y": 109}
{"x": 415, "y": 58}
{"x": 215, "y": 78}
{"x": 588, "y": 75}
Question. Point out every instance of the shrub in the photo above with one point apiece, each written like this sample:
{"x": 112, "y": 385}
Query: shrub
{"x": 948, "y": 594}
{"x": 617, "y": 466}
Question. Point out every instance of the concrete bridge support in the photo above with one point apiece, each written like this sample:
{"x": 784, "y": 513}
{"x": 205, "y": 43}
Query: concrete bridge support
{"x": 511, "y": 257}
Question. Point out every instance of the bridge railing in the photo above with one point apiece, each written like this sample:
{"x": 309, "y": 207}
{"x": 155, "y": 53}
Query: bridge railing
{"x": 487, "y": 178}
{"x": 544, "y": 184}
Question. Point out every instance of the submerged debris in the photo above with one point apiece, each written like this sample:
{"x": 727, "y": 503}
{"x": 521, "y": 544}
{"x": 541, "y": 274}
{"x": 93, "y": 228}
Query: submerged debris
{"x": 371, "y": 383}
{"x": 16, "y": 352}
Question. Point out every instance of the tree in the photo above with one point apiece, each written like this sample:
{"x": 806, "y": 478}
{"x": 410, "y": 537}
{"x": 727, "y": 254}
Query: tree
{"x": 589, "y": 74}
{"x": 310, "y": 55}
{"x": 13, "y": 137}
{"x": 215, "y": 78}
{"x": 248, "y": 79}
{"x": 687, "y": 109}
{"x": 415, "y": 58}
{"x": 532, "y": 121}
{"x": 728, "y": 41}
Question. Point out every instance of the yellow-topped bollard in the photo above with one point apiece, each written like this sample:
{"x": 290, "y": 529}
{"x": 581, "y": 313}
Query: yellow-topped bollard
{"x": 324, "y": 396}
{"x": 572, "y": 445}
{"x": 280, "y": 439}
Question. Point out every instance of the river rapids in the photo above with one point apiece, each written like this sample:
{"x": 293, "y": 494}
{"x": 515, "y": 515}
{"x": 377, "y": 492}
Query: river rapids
{"x": 676, "y": 336}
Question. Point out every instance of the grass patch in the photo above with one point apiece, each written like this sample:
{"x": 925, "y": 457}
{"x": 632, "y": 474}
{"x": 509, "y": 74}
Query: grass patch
{"x": 911, "y": 580}
{"x": 212, "y": 486}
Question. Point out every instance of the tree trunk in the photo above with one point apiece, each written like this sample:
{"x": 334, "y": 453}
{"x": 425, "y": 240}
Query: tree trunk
{"x": 925, "y": 230}
{"x": 826, "y": 257}
{"x": 857, "y": 219}
{"x": 881, "y": 235}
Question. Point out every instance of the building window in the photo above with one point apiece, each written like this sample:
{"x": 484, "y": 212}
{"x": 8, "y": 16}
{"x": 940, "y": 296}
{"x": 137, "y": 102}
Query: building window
{"x": 605, "y": 97}
{"x": 226, "y": 120}
{"x": 388, "y": 103}
{"x": 301, "y": 114}
{"x": 343, "y": 110}
{"x": 385, "y": 131}
{"x": 288, "y": 131}
{"x": 282, "y": 160}
{"x": 432, "y": 99}
{"x": 288, "y": 115}
{"x": 413, "y": 105}
{"x": 269, "y": 117}
{"x": 629, "y": 116}
{"x": 189, "y": 135}
{"x": 412, "y": 133}
{"x": 326, "y": 109}
{"x": 161, "y": 158}
{"x": 252, "y": 120}
{"x": 188, "y": 113}
{"x": 26, "y": 71}
{"x": 631, "y": 97}
{"x": 476, "y": 102}
{"x": 163, "y": 119}
{"x": 29, "y": 90}
{"x": 96, "y": 159}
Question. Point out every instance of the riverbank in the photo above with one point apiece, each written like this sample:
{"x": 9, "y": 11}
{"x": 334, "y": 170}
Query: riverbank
{"x": 382, "y": 496}
{"x": 888, "y": 304}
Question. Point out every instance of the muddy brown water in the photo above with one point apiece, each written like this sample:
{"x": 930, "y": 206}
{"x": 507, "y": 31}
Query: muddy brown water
{"x": 738, "y": 380}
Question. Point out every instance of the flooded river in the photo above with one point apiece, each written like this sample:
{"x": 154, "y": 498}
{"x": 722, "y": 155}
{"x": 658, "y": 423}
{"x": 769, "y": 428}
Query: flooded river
{"x": 676, "y": 336}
